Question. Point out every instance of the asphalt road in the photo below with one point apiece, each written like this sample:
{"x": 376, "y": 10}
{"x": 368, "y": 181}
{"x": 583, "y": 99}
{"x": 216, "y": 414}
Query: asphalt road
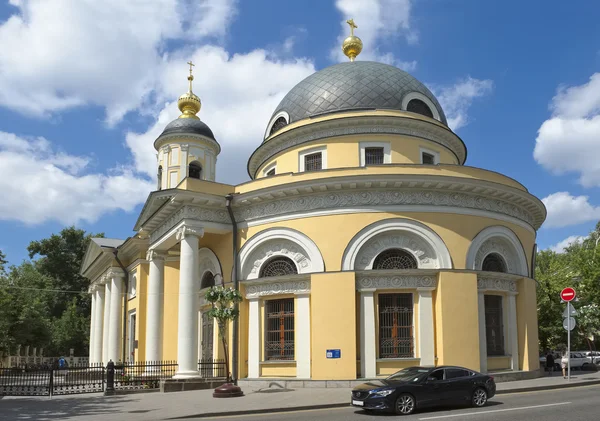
{"x": 575, "y": 404}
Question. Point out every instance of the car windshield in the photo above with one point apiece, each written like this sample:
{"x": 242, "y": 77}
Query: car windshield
{"x": 408, "y": 374}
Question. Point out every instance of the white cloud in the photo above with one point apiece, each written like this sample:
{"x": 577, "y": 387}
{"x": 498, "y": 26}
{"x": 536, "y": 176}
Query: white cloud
{"x": 457, "y": 99}
{"x": 569, "y": 140}
{"x": 376, "y": 20}
{"x": 565, "y": 210}
{"x": 64, "y": 53}
{"x": 562, "y": 245}
{"x": 40, "y": 184}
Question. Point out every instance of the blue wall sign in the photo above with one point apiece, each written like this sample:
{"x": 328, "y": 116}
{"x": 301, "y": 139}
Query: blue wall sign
{"x": 334, "y": 353}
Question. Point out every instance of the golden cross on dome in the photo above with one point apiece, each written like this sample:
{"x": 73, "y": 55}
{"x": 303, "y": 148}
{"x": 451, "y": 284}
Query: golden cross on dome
{"x": 352, "y": 26}
{"x": 191, "y": 64}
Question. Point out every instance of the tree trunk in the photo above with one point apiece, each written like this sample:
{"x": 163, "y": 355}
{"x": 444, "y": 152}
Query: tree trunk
{"x": 224, "y": 341}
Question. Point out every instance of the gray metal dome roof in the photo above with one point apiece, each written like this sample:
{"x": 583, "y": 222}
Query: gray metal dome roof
{"x": 188, "y": 126}
{"x": 352, "y": 86}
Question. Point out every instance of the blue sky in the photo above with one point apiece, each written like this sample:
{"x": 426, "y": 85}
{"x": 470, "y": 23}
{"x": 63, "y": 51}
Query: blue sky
{"x": 86, "y": 86}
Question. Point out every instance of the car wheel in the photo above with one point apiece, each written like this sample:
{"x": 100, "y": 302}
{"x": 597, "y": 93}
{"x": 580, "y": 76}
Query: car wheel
{"x": 405, "y": 404}
{"x": 479, "y": 398}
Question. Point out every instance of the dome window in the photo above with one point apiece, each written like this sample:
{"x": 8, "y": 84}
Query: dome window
{"x": 493, "y": 262}
{"x": 278, "y": 266}
{"x": 195, "y": 170}
{"x": 395, "y": 259}
{"x": 419, "y": 107}
{"x": 279, "y": 124}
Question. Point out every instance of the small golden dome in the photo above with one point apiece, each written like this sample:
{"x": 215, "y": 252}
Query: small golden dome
{"x": 352, "y": 45}
{"x": 189, "y": 103}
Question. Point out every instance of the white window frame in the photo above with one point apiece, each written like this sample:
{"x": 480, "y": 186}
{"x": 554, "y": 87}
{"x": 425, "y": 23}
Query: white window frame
{"x": 417, "y": 95}
{"x": 436, "y": 155}
{"x": 302, "y": 154}
{"x": 387, "y": 154}
{"x": 283, "y": 114}
{"x": 271, "y": 166}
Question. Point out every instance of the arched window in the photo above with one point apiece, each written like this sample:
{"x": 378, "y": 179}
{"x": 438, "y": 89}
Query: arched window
{"x": 279, "y": 123}
{"x": 493, "y": 262}
{"x": 208, "y": 280}
{"x": 132, "y": 286}
{"x": 195, "y": 170}
{"x": 278, "y": 266}
{"x": 159, "y": 176}
{"x": 395, "y": 259}
{"x": 419, "y": 107}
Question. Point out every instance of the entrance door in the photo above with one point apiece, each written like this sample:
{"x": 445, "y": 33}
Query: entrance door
{"x": 132, "y": 320}
{"x": 207, "y": 337}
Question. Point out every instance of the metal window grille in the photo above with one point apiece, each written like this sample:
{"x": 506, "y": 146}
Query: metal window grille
{"x": 208, "y": 280}
{"x": 493, "y": 262}
{"x": 278, "y": 266}
{"x": 279, "y": 329}
{"x": 494, "y": 329}
{"x": 396, "y": 331}
{"x": 419, "y": 107}
{"x": 313, "y": 162}
{"x": 373, "y": 156}
{"x": 195, "y": 170}
{"x": 395, "y": 259}
{"x": 279, "y": 124}
{"x": 428, "y": 158}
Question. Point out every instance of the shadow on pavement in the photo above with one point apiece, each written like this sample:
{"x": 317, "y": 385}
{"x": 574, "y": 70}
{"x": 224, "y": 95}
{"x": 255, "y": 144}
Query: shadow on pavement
{"x": 60, "y": 408}
{"x": 434, "y": 410}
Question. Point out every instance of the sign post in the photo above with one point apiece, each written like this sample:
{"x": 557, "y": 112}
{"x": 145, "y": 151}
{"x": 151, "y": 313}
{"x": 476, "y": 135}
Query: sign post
{"x": 568, "y": 294}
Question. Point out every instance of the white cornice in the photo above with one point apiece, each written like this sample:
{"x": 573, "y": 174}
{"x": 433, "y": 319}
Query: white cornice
{"x": 356, "y": 125}
{"x": 293, "y": 284}
{"x": 383, "y": 279}
{"x": 496, "y": 282}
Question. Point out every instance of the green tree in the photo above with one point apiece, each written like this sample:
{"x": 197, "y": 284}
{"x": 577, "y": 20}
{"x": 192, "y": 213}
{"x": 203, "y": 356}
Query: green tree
{"x": 3, "y": 262}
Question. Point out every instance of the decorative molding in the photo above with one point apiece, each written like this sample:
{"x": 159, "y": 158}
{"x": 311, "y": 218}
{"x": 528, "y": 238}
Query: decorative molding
{"x": 423, "y": 253}
{"x": 185, "y": 230}
{"x": 202, "y": 214}
{"x": 114, "y": 272}
{"x": 489, "y": 283}
{"x": 184, "y": 147}
{"x": 277, "y": 287}
{"x": 369, "y": 125}
{"x": 154, "y": 255}
{"x": 417, "y": 95}
{"x": 394, "y": 281}
{"x": 495, "y": 245}
{"x": 501, "y": 240}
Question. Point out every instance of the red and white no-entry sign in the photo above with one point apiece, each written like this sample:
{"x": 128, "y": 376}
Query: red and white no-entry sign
{"x": 567, "y": 294}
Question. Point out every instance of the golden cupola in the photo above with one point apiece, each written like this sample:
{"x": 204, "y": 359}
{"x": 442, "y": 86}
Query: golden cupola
{"x": 352, "y": 45}
{"x": 189, "y": 103}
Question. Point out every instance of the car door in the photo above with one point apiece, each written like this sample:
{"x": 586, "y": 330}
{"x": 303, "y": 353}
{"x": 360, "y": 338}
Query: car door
{"x": 435, "y": 388}
{"x": 460, "y": 383}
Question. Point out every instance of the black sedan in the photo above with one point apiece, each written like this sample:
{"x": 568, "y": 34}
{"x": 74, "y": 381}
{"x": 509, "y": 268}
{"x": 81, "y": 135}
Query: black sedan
{"x": 419, "y": 387}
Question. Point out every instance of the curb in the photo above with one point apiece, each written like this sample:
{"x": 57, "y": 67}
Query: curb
{"x": 344, "y": 405}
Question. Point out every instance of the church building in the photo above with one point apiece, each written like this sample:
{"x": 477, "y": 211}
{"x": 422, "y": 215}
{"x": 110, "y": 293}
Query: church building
{"x": 362, "y": 243}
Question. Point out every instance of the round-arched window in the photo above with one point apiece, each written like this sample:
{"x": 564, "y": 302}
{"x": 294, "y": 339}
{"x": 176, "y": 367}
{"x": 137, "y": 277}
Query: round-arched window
{"x": 395, "y": 259}
{"x": 278, "y": 266}
{"x": 493, "y": 262}
{"x": 419, "y": 107}
{"x": 208, "y": 280}
{"x": 195, "y": 170}
{"x": 279, "y": 123}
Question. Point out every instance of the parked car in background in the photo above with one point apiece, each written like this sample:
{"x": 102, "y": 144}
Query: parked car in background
{"x": 419, "y": 387}
{"x": 593, "y": 357}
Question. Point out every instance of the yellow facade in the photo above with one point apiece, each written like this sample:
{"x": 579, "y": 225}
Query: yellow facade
{"x": 362, "y": 245}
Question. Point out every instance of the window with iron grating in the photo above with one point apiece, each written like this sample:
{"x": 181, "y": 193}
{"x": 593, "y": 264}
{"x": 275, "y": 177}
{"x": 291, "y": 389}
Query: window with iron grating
{"x": 313, "y": 162}
{"x": 427, "y": 158}
{"x": 395, "y": 259}
{"x": 279, "y": 329}
{"x": 373, "y": 156}
{"x": 493, "y": 262}
{"x": 494, "y": 328}
{"x": 278, "y": 266}
{"x": 396, "y": 331}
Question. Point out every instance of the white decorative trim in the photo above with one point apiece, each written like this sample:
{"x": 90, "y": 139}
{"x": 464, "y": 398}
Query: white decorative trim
{"x": 417, "y": 95}
{"x": 280, "y": 242}
{"x": 501, "y": 240}
{"x": 186, "y": 230}
{"x": 387, "y": 155}
{"x": 493, "y": 284}
{"x": 154, "y": 255}
{"x": 271, "y": 166}
{"x": 378, "y": 281}
{"x": 303, "y": 153}
{"x": 436, "y": 155}
{"x": 428, "y": 248}
{"x": 202, "y": 214}
{"x": 283, "y": 114}
{"x": 209, "y": 262}
{"x": 265, "y": 288}
{"x": 114, "y": 272}
{"x": 132, "y": 285}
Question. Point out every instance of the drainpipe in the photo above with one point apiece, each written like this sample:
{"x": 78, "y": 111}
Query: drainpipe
{"x": 126, "y": 289}
{"x": 236, "y": 286}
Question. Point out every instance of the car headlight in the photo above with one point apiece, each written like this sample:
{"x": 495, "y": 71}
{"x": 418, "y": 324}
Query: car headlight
{"x": 384, "y": 392}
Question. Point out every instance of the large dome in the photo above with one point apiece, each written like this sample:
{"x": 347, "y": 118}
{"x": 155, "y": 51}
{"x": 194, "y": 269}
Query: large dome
{"x": 355, "y": 85}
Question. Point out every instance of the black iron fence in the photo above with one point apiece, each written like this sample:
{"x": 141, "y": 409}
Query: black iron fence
{"x": 143, "y": 374}
{"x": 211, "y": 368}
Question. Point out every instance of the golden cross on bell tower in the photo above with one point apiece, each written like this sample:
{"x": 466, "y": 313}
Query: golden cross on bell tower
{"x": 191, "y": 64}
{"x": 352, "y": 26}
{"x": 191, "y": 76}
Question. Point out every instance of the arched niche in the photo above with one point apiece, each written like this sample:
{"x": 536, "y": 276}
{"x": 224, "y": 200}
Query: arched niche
{"x": 500, "y": 241}
{"x": 209, "y": 264}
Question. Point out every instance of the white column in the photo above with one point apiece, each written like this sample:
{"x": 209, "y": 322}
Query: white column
{"x": 93, "y": 338}
{"x": 98, "y": 325}
{"x": 154, "y": 310}
{"x": 106, "y": 320}
{"x": 513, "y": 332}
{"x": 183, "y": 165}
{"x": 116, "y": 308}
{"x": 187, "y": 328}
{"x": 368, "y": 355}
{"x": 426, "y": 336}
{"x": 253, "y": 338}
{"x": 302, "y": 334}
{"x": 482, "y": 334}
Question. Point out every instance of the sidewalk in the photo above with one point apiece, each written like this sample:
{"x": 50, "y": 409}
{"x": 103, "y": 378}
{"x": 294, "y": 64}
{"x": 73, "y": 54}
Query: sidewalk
{"x": 160, "y": 406}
